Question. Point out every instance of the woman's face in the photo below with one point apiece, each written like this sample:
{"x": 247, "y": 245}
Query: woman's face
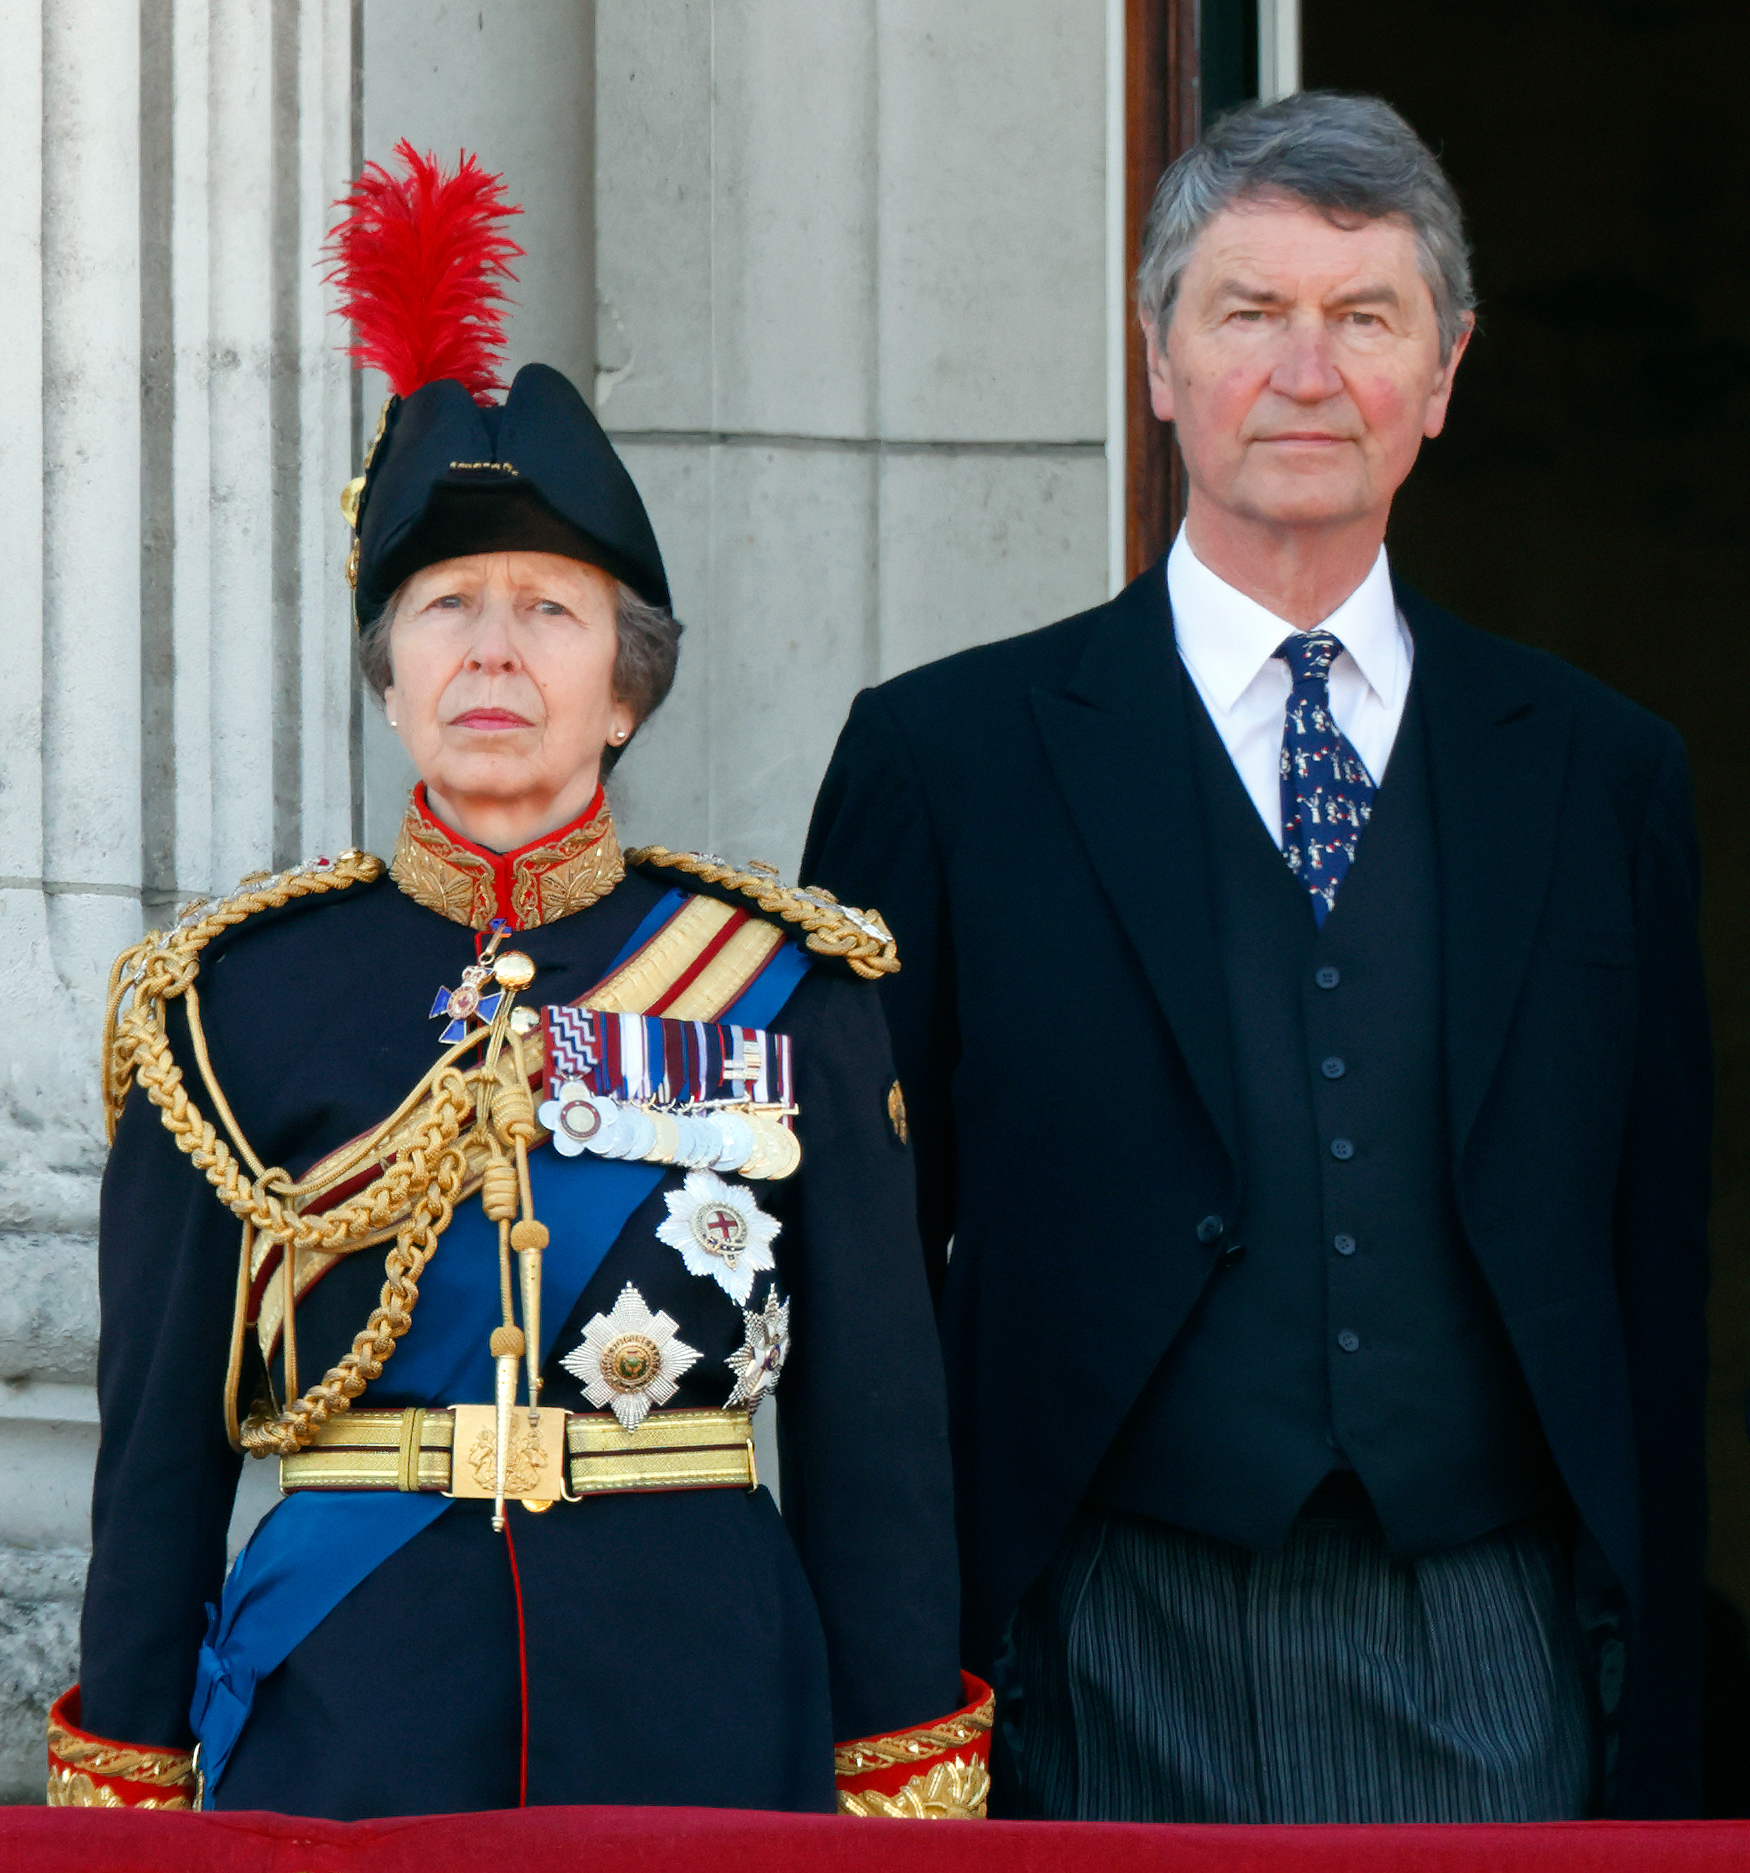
{"x": 503, "y": 694}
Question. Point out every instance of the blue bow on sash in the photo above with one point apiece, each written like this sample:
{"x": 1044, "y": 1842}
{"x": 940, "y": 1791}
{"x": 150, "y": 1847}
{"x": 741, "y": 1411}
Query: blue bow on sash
{"x": 317, "y": 1546}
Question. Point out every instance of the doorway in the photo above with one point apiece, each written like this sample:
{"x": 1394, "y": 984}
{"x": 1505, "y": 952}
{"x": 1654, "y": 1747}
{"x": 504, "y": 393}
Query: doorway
{"x": 1591, "y": 494}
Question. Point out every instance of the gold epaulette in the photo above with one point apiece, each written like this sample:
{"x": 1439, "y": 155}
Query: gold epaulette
{"x": 857, "y": 938}
{"x": 163, "y": 963}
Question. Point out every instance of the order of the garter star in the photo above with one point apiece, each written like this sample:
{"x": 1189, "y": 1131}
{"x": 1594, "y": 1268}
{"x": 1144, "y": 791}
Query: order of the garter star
{"x": 630, "y": 1359}
{"x": 720, "y": 1231}
{"x": 759, "y": 1359}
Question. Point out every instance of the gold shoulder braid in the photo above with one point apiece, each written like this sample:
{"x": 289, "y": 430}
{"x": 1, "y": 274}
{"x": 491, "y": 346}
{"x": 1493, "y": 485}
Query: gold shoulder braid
{"x": 423, "y": 1179}
{"x": 163, "y": 964}
{"x": 859, "y": 938}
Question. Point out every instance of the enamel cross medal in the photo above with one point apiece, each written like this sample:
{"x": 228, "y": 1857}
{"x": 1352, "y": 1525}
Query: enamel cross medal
{"x": 468, "y": 1002}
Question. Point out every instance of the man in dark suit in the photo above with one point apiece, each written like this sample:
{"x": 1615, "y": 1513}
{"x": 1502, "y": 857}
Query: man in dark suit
{"x": 1302, "y": 1030}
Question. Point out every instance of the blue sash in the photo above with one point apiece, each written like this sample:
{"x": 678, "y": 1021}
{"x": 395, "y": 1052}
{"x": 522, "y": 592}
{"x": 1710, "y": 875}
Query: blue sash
{"x": 314, "y": 1548}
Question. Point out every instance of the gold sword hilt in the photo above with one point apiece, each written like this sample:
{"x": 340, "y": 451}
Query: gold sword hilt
{"x": 507, "y": 1350}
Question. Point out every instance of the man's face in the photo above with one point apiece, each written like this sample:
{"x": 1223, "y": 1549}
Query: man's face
{"x": 1302, "y": 365}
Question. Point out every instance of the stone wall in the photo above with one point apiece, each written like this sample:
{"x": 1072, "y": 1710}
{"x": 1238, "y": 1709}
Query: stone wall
{"x": 840, "y": 279}
{"x": 851, "y": 267}
{"x": 175, "y": 704}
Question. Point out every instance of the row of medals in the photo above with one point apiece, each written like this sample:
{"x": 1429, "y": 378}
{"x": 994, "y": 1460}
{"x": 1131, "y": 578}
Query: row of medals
{"x": 750, "y": 1140}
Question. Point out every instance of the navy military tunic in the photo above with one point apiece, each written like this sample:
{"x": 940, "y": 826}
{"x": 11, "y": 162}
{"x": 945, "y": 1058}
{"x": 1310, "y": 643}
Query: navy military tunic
{"x": 687, "y": 1648}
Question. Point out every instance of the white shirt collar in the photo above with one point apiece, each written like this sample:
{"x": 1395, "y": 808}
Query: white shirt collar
{"x": 1227, "y": 638}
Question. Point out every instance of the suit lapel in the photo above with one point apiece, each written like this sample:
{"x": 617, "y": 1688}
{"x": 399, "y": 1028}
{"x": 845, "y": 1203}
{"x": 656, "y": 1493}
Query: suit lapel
{"x": 1497, "y": 759}
{"x": 1119, "y": 750}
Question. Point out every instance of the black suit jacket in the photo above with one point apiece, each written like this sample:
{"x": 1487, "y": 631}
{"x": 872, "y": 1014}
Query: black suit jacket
{"x": 1024, "y": 816}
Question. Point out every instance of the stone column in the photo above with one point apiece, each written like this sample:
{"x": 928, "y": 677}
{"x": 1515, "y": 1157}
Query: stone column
{"x": 176, "y": 706}
{"x": 515, "y": 85}
{"x": 851, "y": 262}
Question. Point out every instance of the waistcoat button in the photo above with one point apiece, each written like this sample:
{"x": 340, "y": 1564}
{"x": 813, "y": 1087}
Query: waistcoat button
{"x": 1333, "y": 1068}
{"x": 1344, "y": 1245}
{"x": 1327, "y": 977}
{"x": 1342, "y": 1148}
{"x": 1350, "y": 1342}
{"x": 1209, "y": 1230}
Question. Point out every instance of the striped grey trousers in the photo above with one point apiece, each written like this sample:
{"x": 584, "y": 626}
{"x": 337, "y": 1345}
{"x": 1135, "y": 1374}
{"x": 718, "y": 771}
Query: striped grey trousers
{"x": 1166, "y": 1676}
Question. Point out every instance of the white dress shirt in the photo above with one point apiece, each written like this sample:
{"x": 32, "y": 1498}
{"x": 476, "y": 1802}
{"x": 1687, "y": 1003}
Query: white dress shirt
{"x": 1228, "y": 644}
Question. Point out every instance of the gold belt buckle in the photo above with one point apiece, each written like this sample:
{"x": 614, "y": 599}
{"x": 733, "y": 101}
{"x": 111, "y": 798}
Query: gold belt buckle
{"x": 534, "y": 1470}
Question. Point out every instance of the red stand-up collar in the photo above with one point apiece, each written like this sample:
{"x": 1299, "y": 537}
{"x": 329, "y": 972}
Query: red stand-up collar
{"x": 549, "y": 877}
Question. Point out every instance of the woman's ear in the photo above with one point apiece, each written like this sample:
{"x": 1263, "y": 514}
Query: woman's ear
{"x": 390, "y": 705}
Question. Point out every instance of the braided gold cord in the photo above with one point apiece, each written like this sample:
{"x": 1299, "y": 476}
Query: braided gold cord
{"x": 829, "y": 933}
{"x": 161, "y": 965}
{"x": 438, "y": 1160}
{"x": 426, "y": 1175}
{"x": 879, "y": 1752}
{"x": 137, "y": 1048}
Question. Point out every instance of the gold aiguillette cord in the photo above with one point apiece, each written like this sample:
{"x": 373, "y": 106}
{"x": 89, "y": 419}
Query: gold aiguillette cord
{"x": 506, "y": 1115}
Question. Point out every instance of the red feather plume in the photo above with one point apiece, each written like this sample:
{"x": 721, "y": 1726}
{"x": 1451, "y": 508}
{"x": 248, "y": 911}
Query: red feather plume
{"x": 418, "y": 261}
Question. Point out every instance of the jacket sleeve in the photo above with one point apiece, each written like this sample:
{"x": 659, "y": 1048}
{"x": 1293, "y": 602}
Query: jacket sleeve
{"x": 1662, "y": 1264}
{"x": 166, "y": 1474}
{"x": 862, "y": 1420}
{"x": 872, "y": 842}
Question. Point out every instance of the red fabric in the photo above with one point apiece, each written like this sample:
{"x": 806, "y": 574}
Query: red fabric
{"x": 707, "y": 1840}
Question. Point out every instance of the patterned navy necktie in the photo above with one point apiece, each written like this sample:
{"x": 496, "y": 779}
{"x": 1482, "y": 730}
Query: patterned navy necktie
{"x": 1327, "y": 793}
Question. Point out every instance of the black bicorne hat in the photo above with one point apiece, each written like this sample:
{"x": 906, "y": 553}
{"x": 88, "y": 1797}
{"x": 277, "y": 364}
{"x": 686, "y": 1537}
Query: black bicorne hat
{"x": 533, "y": 474}
{"x": 419, "y": 259}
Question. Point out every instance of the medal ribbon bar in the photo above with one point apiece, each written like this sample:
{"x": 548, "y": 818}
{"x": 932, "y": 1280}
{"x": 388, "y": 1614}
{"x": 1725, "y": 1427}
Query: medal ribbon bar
{"x": 653, "y": 1060}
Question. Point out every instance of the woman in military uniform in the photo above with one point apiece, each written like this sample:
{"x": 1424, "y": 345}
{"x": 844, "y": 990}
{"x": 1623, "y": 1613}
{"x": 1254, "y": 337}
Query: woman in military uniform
{"x": 490, "y": 1192}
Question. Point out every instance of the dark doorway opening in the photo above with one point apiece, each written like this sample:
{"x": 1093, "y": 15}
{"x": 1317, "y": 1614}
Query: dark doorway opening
{"x": 1592, "y": 492}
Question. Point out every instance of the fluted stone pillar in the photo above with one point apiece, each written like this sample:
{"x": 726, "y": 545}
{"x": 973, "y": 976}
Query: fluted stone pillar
{"x": 175, "y": 697}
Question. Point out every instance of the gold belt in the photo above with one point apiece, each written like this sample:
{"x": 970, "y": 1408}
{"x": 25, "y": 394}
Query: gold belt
{"x": 555, "y": 1454}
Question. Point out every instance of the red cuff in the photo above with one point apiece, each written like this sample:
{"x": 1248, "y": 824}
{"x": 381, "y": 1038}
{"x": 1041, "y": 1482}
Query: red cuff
{"x": 934, "y": 1772}
{"x": 88, "y": 1771}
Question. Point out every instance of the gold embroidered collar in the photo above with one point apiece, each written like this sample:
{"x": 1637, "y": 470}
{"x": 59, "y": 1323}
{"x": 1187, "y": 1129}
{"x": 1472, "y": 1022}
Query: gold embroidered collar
{"x": 536, "y": 884}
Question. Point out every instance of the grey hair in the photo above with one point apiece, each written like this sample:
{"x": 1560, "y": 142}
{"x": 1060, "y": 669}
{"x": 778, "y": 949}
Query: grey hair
{"x": 647, "y": 645}
{"x": 1339, "y": 154}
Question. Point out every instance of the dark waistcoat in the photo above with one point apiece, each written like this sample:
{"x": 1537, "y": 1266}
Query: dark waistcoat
{"x": 1348, "y": 1325}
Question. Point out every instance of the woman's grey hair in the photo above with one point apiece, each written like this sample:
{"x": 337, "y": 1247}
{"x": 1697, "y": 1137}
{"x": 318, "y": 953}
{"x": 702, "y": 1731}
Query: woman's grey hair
{"x": 1339, "y": 154}
{"x": 646, "y": 649}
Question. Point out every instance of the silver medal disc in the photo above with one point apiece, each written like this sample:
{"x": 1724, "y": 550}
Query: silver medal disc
{"x": 699, "y": 1142}
{"x": 608, "y": 1133}
{"x": 640, "y": 1132}
{"x": 737, "y": 1137}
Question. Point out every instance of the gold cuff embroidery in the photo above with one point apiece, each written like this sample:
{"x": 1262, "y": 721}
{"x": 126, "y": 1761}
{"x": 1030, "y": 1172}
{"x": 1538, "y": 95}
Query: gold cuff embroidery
{"x": 949, "y": 1764}
{"x": 95, "y": 1772}
{"x": 955, "y": 1790}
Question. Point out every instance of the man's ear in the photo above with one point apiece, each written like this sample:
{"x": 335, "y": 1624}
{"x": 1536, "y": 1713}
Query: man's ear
{"x": 1160, "y": 382}
{"x": 1435, "y": 420}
